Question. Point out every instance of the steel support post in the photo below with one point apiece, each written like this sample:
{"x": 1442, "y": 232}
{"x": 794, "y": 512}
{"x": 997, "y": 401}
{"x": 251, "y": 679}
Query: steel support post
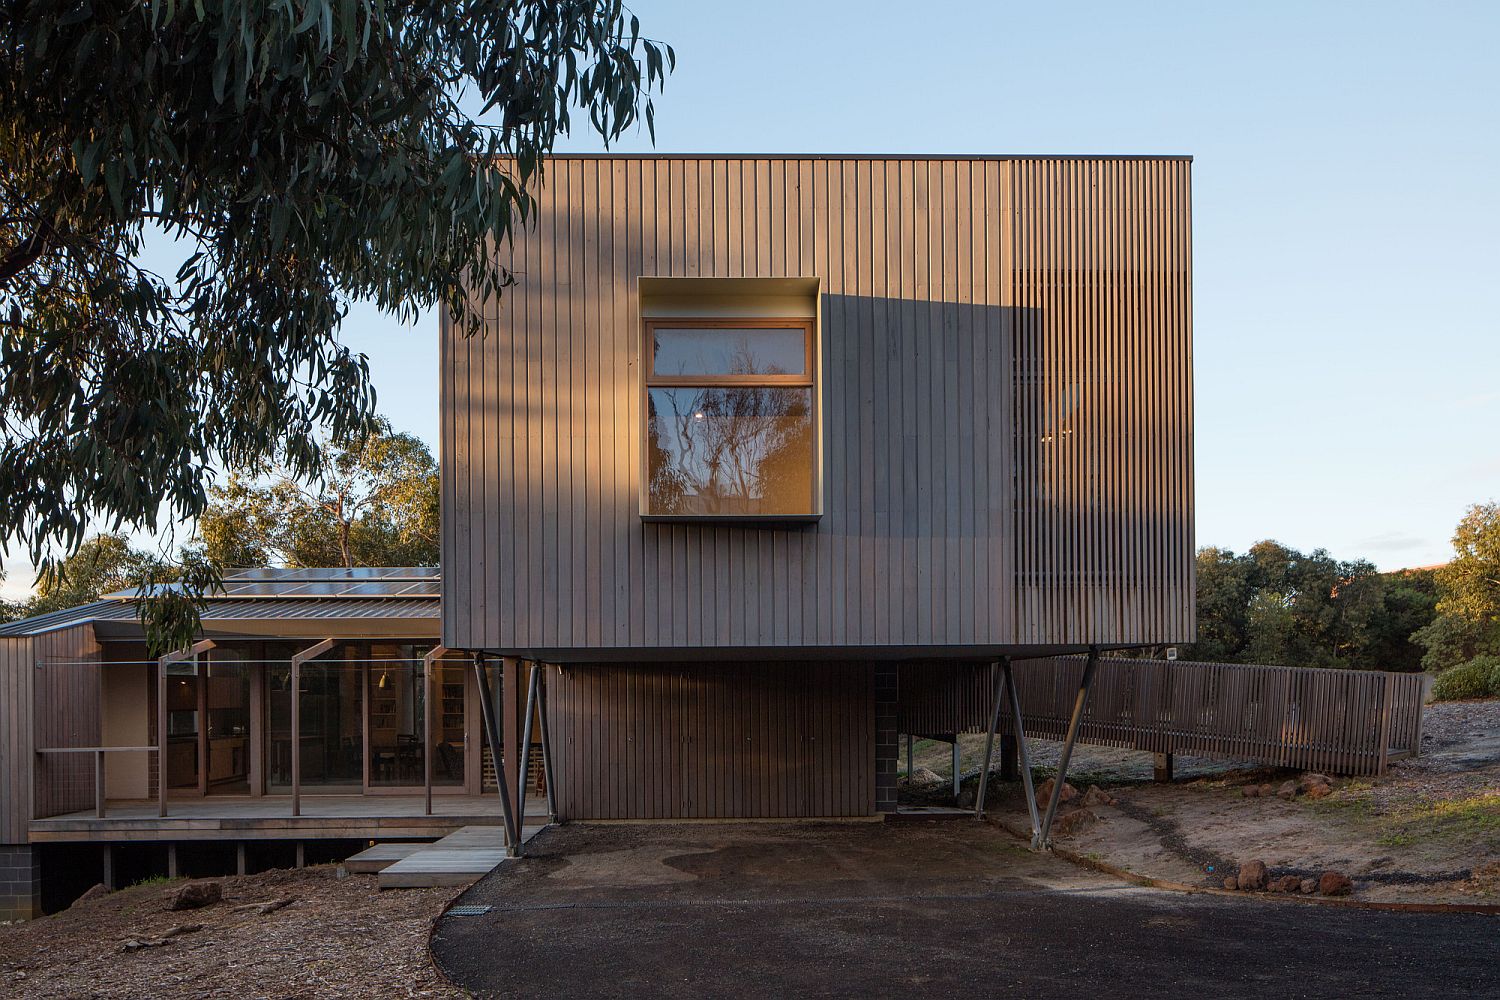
{"x": 1002, "y": 671}
{"x": 1043, "y": 839}
{"x": 492, "y": 731}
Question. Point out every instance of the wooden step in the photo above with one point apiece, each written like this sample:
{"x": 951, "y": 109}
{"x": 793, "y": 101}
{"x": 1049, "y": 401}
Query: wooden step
{"x": 382, "y": 856}
{"x": 464, "y": 856}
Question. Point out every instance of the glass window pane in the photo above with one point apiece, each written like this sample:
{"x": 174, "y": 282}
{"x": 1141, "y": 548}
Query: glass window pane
{"x": 730, "y": 450}
{"x": 729, "y": 351}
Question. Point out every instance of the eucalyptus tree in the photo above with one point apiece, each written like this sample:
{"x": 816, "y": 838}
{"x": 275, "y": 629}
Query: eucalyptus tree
{"x": 293, "y": 156}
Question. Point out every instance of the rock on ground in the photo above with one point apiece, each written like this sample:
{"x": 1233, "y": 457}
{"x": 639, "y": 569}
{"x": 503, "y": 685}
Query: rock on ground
{"x": 196, "y": 895}
{"x": 1335, "y": 884}
{"x": 1044, "y": 793}
{"x": 1252, "y": 876}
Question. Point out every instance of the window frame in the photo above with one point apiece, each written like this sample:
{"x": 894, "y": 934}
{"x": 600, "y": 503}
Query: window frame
{"x": 807, "y": 379}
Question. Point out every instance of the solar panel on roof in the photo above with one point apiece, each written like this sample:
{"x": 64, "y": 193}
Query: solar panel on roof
{"x": 320, "y": 581}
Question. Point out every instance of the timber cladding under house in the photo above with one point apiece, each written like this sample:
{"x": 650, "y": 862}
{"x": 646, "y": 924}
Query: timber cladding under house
{"x": 752, "y": 435}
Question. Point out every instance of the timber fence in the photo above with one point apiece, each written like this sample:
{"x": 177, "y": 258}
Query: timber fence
{"x": 1344, "y": 721}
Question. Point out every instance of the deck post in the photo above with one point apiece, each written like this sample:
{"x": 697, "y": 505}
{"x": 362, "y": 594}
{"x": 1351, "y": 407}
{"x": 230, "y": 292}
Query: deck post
{"x": 1002, "y": 670}
{"x": 909, "y": 770}
{"x": 492, "y": 730}
{"x": 1161, "y": 767}
{"x": 241, "y": 866}
{"x": 161, "y": 716}
{"x": 427, "y": 733}
{"x": 107, "y": 866}
{"x": 957, "y": 759}
{"x": 548, "y": 775}
{"x": 1010, "y": 763}
{"x": 301, "y": 854}
{"x": 172, "y": 868}
{"x": 297, "y": 660}
{"x": 1043, "y": 839}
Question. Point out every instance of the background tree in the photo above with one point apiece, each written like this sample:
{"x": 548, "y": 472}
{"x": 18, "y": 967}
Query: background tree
{"x": 296, "y": 158}
{"x": 1468, "y": 606}
{"x": 102, "y": 564}
{"x": 377, "y": 504}
{"x": 1274, "y": 604}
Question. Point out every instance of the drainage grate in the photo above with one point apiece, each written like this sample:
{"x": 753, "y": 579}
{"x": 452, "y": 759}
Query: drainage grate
{"x": 470, "y": 910}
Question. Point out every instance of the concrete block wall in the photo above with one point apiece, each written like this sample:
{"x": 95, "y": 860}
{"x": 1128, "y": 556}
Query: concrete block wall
{"x": 886, "y": 745}
{"x": 20, "y": 882}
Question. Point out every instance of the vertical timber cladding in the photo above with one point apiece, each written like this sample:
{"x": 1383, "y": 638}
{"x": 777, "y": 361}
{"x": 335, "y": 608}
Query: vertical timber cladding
{"x": 1103, "y": 401}
{"x": 55, "y": 704}
{"x": 713, "y": 741}
{"x": 67, "y": 692}
{"x": 972, "y": 308}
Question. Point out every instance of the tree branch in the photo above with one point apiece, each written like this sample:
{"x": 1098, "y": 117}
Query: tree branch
{"x": 27, "y": 252}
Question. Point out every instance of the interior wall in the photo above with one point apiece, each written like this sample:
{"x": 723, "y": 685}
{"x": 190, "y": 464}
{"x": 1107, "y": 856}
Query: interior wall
{"x": 127, "y": 707}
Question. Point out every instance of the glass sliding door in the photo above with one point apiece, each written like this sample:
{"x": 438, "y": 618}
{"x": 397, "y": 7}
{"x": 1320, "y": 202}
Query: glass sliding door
{"x": 332, "y": 723}
{"x": 398, "y": 718}
{"x": 448, "y": 729}
{"x": 396, "y": 715}
{"x": 226, "y": 695}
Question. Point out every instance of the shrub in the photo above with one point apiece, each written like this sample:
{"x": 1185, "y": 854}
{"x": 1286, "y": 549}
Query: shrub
{"x": 1479, "y": 678}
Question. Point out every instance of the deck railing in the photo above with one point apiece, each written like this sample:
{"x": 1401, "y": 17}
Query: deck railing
{"x": 1345, "y": 721}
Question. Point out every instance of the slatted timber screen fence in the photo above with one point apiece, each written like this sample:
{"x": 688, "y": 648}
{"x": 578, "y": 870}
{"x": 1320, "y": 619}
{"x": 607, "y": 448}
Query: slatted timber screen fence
{"x": 1345, "y": 721}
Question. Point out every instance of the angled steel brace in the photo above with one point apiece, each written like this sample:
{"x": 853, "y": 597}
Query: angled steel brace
{"x": 1043, "y": 838}
{"x": 1015, "y": 711}
{"x": 533, "y": 680}
{"x": 492, "y": 731}
{"x": 989, "y": 737}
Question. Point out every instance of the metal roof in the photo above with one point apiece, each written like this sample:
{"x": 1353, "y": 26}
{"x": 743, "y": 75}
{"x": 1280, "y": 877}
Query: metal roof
{"x": 369, "y": 593}
{"x": 336, "y": 581}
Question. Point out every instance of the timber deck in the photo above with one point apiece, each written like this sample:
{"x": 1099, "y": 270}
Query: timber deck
{"x": 353, "y": 817}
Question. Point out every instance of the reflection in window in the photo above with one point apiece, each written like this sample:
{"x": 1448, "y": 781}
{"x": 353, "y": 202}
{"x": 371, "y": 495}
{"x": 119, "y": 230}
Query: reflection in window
{"x": 729, "y": 419}
{"x": 730, "y": 450}
{"x": 729, "y": 351}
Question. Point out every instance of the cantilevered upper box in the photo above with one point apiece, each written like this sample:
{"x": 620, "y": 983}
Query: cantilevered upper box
{"x": 842, "y": 406}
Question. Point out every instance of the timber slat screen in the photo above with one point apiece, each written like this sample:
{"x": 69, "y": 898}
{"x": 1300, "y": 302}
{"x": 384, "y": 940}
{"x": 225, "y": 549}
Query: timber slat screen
{"x": 1344, "y": 721}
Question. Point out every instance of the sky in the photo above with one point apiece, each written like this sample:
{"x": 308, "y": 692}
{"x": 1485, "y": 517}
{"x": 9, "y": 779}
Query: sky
{"x": 1346, "y": 215}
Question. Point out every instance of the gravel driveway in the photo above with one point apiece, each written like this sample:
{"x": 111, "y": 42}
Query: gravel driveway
{"x": 912, "y": 909}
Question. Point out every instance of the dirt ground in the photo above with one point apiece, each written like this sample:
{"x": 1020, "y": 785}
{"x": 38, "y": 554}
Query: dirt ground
{"x": 913, "y": 908}
{"x": 337, "y": 938}
{"x": 1429, "y": 831}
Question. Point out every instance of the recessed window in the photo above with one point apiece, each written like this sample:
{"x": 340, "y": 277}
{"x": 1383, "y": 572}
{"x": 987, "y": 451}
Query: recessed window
{"x": 730, "y": 420}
